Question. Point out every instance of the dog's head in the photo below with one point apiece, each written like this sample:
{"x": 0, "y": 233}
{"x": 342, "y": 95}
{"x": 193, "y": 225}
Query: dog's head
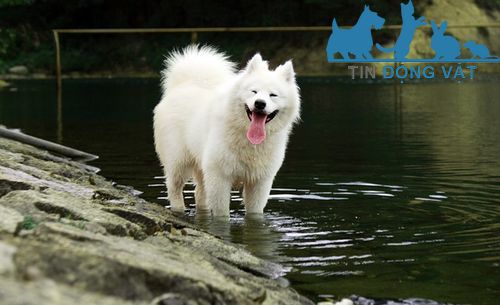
{"x": 269, "y": 100}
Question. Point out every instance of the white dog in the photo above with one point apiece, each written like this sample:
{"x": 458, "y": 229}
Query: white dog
{"x": 223, "y": 128}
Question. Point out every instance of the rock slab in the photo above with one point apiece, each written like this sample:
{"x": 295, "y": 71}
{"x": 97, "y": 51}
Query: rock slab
{"x": 69, "y": 236}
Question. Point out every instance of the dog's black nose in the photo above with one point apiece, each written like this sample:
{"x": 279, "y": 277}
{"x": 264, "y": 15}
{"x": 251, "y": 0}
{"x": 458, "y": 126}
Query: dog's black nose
{"x": 260, "y": 104}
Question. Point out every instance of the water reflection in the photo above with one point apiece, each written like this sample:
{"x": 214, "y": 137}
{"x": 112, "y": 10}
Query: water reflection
{"x": 256, "y": 232}
{"x": 386, "y": 191}
{"x": 364, "y": 231}
{"x": 218, "y": 226}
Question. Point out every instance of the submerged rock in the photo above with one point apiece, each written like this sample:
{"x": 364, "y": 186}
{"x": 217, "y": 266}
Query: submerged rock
{"x": 358, "y": 300}
{"x": 70, "y": 236}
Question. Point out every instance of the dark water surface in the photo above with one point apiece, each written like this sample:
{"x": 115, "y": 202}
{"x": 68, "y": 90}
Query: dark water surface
{"x": 386, "y": 192}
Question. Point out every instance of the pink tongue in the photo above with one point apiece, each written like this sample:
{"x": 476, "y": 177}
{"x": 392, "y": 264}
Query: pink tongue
{"x": 256, "y": 133}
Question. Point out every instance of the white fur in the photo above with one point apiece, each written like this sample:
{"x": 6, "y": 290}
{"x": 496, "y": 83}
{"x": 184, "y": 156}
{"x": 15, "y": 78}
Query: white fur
{"x": 200, "y": 127}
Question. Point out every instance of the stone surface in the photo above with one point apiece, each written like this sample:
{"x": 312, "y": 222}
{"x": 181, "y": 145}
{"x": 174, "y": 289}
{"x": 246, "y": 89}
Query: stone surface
{"x": 46, "y": 291}
{"x": 23, "y": 70}
{"x": 9, "y": 219}
{"x": 67, "y": 235}
{"x": 7, "y": 258}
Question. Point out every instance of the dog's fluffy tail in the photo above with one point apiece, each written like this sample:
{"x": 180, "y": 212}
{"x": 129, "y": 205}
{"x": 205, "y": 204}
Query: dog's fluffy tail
{"x": 202, "y": 65}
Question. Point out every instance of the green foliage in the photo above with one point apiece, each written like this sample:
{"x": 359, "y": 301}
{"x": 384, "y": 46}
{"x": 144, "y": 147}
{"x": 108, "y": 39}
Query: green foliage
{"x": 28, "y": 40}
{"x": 7, "y": 40}
{"x": 489, "y": 4}
{"x": 28, "y": 223}
{"x": 14, "y": 2}
{"x": 25, "y": 36}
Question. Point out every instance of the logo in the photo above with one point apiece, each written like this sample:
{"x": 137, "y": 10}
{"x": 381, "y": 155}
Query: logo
{"x": 354, "y": 45}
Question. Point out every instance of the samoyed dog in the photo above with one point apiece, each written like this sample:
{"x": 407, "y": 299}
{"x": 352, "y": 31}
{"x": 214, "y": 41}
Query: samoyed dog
{"x": 223, "y": 127}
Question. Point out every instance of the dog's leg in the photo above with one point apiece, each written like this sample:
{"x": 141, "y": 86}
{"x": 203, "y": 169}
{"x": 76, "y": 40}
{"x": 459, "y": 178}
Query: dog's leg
{"x": 218, "y": 192}
{"x": 199, "y": 191}
{"x": 255, "y": 195}
{"x": 175, "y": 185}
{"x": 175, "y": 180}
{"x": 330, "y": 54}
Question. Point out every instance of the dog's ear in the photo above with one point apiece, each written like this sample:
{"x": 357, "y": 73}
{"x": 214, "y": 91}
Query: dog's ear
{"x": 254, "y": 63}
{"x": 286, "y": 71}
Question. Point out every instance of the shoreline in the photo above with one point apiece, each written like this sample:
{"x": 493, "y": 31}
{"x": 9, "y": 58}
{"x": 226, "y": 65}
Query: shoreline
{"x": 6, "y": 80}
{"x": 69, "y": 235}
{"x": 43, "y": 76}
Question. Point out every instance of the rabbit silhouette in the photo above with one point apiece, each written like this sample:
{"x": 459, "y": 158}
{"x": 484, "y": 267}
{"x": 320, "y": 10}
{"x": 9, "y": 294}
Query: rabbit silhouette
{"x": 445, "y": 46}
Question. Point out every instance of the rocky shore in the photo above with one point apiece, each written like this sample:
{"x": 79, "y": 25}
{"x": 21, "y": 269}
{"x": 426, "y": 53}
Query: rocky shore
{"x": 69, "y": 236}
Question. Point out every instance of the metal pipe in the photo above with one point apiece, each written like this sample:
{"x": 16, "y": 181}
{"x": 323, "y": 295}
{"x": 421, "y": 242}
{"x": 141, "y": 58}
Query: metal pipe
{"x": 246, "y": 29}
{"x": 72, "y": 153}
{"x": 58, "y": 59}
{"x": 194, "y": 37}
{"x": 194, "y": 33}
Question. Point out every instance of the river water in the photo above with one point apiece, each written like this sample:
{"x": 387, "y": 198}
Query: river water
{"x": 388, "y": 191}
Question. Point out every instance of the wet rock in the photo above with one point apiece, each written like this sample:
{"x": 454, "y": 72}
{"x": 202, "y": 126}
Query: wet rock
{"x": 344, "y": 302}
{"x": 359, "y": 300}
{"x": 73, "y": 237}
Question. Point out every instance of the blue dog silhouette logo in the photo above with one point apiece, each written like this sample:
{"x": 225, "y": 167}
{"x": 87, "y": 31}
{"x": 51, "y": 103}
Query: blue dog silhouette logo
{"x": 355, "y": 44}
{"x": 358, "y": 40}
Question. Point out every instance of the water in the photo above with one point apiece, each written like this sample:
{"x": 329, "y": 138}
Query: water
{"x": 386, "y": 192}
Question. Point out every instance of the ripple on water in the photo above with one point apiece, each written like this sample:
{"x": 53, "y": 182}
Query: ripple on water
{"x": 354, "y": 229}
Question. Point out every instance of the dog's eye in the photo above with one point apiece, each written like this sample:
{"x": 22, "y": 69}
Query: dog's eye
{"x": 273, "y": 95}
{"x": 254, "y": 91}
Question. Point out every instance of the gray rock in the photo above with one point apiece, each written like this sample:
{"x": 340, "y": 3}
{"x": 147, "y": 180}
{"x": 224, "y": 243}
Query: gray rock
{"x": 79, "y": 239}
{"x": 49, "y": 292}
{"x": 7, "y": 252}
{"x": 9, "y": 220}
{"x": 21, "y": 70}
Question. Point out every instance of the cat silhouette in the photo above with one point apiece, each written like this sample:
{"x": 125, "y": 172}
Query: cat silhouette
{"x": 410, "y": 24}
{"x": 358, "y": 40}
{"x": 445, "y": 46}
{"x": 478, "y": 50}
